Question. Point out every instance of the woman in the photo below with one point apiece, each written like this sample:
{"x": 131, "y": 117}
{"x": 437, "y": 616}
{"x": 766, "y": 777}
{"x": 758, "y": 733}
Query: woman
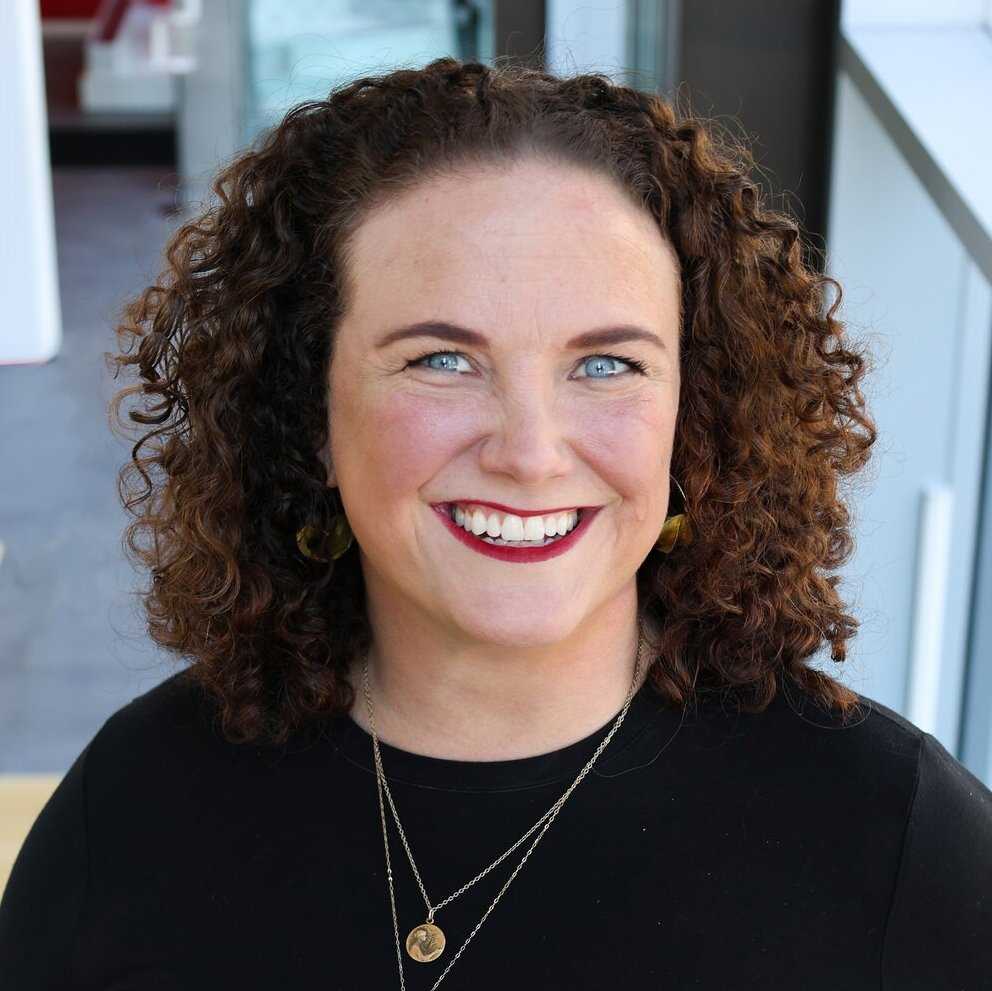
{"x": 491, "y": 438}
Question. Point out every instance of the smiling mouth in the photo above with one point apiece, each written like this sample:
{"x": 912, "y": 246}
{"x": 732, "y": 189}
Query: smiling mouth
{"x": 562, "y": 521}
{"x": 520, "y": 551}
{"x": 500, "y": 542}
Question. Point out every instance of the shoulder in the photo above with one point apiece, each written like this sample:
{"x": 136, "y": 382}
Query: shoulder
{"x": 940, "y": 914}
{"x": 880, "y": 737}
{"x": 155, "y": 750}
{"x": 797, "y": 733}
{"x": 87, "y": 823}
{"x": 938, "y": 814}
{"x": 873, "y": 766}
{"x": 151, "y": 723}
{"x": 951, "y": 806}
{"x": 173, "y": 704}
{"x": 869, "y": 732}
{"x": 913, "y": 822}
{"x": 941, "y": 787}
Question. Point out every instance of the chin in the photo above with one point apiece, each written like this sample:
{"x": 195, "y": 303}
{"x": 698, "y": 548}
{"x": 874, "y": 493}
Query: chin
{"x": 523, "y": 632}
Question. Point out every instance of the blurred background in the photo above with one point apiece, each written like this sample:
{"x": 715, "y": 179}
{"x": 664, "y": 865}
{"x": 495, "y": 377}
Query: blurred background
{"x": 869, "y": 123}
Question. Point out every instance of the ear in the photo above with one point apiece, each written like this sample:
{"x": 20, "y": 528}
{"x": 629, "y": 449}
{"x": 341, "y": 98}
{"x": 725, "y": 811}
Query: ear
{"x": 325, "y": 456}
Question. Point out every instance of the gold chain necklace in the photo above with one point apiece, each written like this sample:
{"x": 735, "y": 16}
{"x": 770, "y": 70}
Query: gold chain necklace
{"x": 426, "y": 941}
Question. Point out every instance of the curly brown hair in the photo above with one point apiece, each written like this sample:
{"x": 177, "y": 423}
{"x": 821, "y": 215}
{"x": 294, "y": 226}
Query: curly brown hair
{"x": 234, "y": 342}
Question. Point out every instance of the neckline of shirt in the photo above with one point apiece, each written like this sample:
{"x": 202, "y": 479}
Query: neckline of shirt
{"x": 647, "y": 710}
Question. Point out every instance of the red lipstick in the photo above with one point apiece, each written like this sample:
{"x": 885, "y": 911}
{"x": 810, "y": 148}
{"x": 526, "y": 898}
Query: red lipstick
{"x": 519, "y": 555}
{"x": 524, "y": 513}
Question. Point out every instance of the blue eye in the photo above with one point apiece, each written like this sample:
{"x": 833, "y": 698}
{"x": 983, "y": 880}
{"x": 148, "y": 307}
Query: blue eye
{"x": 639, "y": 366}
{"x": 436, "y": 354}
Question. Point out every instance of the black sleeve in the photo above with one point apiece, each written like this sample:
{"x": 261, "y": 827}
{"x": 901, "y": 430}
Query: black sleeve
{"x": 43, "y": 898}
{"x": 939, "y": 933}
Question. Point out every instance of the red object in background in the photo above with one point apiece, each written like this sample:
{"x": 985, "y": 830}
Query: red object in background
{"x": 72, "y": 9}
{"x": 83, "y": 10}
{"x": 80, "y": 9}
{"x": 110, "y": 12}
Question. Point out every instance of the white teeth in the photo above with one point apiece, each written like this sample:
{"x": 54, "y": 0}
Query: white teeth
{"x": 507, "y": 526}
{"x": 533, "y": 529}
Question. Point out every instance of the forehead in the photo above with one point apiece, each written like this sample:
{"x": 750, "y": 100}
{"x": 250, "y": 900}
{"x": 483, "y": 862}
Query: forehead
{"x": 535, "y": 240}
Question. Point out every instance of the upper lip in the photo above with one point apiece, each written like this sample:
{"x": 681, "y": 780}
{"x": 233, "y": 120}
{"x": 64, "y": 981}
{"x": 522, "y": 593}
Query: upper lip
{"x": 509, "y": 509}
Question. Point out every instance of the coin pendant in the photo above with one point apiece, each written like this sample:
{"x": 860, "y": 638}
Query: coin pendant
{"x": 425, "y": 942}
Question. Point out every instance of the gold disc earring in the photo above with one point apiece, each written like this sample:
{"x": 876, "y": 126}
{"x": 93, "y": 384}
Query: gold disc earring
{"x": 326, "y": 545}
{"x": 677, "y": 529}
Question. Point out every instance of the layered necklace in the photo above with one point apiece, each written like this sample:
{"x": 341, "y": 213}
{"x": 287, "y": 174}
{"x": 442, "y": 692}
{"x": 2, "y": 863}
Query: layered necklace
{"x": 426, "y": 941}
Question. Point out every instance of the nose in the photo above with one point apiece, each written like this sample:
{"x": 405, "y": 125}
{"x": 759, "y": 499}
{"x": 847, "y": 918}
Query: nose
{"x": 529, "y": 442}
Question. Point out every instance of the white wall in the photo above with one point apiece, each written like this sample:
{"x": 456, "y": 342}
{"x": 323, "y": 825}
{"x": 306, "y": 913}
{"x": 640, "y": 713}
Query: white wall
{"x": 31, "y": 327}
{"x": 912, "y": 288}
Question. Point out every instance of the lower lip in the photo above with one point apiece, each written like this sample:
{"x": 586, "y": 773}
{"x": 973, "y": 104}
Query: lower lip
{"x": 519, "y": 555}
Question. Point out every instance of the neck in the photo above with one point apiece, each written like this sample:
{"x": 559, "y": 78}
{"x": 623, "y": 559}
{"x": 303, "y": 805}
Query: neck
{"x": 480, "y": 701}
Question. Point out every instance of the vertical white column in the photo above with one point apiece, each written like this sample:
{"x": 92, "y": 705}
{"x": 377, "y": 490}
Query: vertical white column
{"x": 30, "y": 319}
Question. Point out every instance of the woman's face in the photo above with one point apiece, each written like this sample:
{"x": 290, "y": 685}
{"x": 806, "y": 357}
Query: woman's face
{"x": 527, "y": 258}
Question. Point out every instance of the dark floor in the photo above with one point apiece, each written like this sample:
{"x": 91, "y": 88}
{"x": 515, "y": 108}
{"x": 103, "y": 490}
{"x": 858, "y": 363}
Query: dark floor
{"x": 72, "y": 644}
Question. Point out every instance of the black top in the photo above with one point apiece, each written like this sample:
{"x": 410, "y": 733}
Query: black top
{"x": 708, "y": 849}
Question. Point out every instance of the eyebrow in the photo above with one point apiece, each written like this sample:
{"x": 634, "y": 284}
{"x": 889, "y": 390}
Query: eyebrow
{"x": 599, "y": 337}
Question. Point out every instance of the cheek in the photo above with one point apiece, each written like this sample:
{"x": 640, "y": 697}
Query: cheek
{"x": 634, "y": 434}
{"x": 411, "y": 437}
{"x": 628, "y": 443}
